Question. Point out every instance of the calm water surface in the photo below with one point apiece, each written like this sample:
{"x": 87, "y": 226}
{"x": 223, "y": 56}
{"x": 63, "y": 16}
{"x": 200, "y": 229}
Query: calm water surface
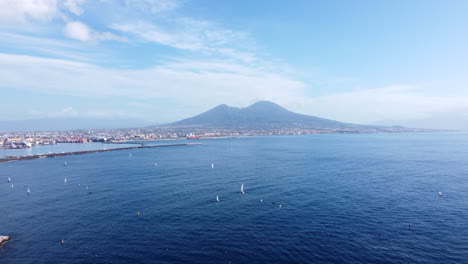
{"x": 344, "y": 199}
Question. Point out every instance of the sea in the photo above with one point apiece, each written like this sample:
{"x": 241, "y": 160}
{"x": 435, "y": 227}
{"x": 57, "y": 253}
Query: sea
{"x": 351, "y": 198}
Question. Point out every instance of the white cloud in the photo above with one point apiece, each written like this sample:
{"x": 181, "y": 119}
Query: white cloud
{"x": 74, "y": 6}
{"x": 153, "y": 33}
{"x": 77, "y": 30}
{"x": 80, "y": 31}
{"x": 193, "y": 35}
{"x": 22, "y": 11}
{"x": 105, "y": 114}
{"x": 70, "y": 112}
{"x": 399, "y": 102}
{"x": 154, "y": 6}
{"x": 64, "y": 112}
{"x": 61, "y": 48}
{"x": 216, "y": 83}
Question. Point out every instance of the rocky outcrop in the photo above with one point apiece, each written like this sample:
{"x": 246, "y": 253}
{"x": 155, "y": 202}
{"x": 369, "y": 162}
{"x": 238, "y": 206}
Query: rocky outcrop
{"x": 4, "y": 239}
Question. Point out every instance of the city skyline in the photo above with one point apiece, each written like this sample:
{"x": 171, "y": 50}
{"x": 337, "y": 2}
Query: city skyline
{"x": 392, "y": 62}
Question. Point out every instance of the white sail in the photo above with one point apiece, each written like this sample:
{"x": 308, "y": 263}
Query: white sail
{"x": 217, "y": 198}
{"x": 65, "y": 180}
{"x": 242, "y": 188}
{"x": 28, "y": 191}
{"x": 65, "y": 163}
{"x": 9, "y": 179}
{"x": 212, "y": 165}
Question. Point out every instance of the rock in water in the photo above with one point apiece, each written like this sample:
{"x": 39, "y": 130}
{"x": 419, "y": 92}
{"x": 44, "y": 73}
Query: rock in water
{"x": 4, "y": 239}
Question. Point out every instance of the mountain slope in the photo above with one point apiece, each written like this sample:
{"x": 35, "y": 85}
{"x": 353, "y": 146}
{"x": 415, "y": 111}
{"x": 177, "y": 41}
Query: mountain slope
{"x": 260, "y": 115}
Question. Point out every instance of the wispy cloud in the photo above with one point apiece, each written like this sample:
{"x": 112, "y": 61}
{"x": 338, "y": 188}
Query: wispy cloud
{"x": 189, "y": 34}
{"x": 75, "y": 6}
{"x": 28, "y": 12}
{"x": 218, "y": 82}
{"x": 57, "y": 48}
{"x": 65, "y": 112}
{"x": 398, "y": 102}
{"x": 154, "y": 6}
{"x": 69, "y": 111}
{"x": 23, "y": 11}
{"x": 80, "y": 31}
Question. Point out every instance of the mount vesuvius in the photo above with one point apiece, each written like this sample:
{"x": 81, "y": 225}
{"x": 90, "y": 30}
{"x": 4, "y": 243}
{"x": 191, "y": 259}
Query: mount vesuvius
{"x": 261, "y": 115}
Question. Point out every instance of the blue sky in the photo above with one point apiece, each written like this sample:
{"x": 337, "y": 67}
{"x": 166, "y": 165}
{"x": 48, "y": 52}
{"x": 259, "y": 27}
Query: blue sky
{"x": 163, "y": 60}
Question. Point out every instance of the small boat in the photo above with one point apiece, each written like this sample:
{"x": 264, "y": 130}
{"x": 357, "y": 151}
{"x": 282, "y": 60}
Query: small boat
{"x": 65, "y": 180}
{"x": 9, "y": 179}
{"x": 217, "y": 198}
{"x": 28, "y": 191}
{"x": 212, "y": 165}
{"x": 65, "y": 163}
{"x": 242, "y": 189}
{"x": 440, "y": 193}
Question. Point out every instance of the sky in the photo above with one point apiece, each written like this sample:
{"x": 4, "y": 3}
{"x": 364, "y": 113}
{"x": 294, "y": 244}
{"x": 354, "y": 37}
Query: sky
{"x": 369, "y": 62}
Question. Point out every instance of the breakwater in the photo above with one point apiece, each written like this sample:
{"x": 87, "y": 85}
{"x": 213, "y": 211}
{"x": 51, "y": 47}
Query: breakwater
{"x": 51, "y": 155}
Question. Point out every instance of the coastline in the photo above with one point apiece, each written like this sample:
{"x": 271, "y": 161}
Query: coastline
{"x": 51, "y": 155}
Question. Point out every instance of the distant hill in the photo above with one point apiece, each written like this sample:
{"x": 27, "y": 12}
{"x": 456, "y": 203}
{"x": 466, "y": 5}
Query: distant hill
{"x": 261, "y": 115}
{"x": 442, "y": 121}
{"x": 70, "y": 123}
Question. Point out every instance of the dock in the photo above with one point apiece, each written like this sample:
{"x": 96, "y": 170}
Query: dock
{"x": 52, "y": 155}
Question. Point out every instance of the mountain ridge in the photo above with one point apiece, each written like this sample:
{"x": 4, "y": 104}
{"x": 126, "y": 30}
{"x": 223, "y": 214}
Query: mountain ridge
{"x": 260, "y": 115}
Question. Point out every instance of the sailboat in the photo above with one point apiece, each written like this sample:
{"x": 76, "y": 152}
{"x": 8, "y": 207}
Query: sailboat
{"x": 9, "y": 179}
{"x": 65, "y": 181}
{"x": 217, "y": 198}
{"x": 212, "y": 165}
{"x": 242, "y": 189}
{"x": 28, "y": 191}
{"x": 440, "y": 193}
{"x": 65, "y": 163}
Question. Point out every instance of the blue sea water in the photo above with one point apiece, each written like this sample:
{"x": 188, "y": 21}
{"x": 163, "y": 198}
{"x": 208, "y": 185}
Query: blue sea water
{"x": 344, "y": 199}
